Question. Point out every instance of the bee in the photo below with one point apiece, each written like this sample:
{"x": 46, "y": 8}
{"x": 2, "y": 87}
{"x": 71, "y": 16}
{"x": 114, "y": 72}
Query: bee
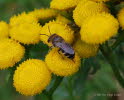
{"x": 59, "y": 42}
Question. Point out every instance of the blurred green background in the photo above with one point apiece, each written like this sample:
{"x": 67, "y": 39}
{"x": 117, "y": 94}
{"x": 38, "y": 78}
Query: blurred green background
{"x": 94, "y": 81}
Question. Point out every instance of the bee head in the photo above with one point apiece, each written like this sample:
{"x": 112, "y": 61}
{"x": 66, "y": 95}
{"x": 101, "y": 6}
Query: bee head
{"x": 51, "y": 38}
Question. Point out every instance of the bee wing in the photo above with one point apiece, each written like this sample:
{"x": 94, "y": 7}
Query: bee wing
{"x": 65, "y": 47}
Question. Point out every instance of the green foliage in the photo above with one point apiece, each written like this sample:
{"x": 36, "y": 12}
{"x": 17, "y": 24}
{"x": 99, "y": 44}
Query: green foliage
{"x": 11, "y": 7}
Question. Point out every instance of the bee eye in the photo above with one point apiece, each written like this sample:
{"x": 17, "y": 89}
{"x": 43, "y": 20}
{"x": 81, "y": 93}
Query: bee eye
{"x": 48, "y": 40}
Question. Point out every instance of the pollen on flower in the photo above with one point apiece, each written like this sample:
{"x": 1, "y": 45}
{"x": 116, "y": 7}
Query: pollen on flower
{"x": 27, "y": 33}
{"x": 121, "y": 18}
{"x": 31, "y": 77}
{"x": 10, "y": 53}
{"x": 58, "y": 28}
{"x": 99, "y": 28}
{"x": 44, "y": 13}
{"x": 87, "y": 8}
{"x": 63, "y": 4}
{"x": 85, "y": 50}
{"x": 22, "y": 18}
{"x": 60, "y": 65}
{"x": 4, "y": 30}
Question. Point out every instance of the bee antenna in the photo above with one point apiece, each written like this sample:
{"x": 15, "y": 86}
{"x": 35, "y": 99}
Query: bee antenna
{"x": 44, "y": 34}
{"x": 49, "y": 30}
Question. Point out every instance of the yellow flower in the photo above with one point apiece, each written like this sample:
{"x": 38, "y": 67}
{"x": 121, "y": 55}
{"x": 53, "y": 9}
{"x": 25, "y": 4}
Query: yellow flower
{"x": 63, "y": 4}
{"x": 85, "y": 50}
{"x": 121, "y": 18}
{"x": 56, "y": 28}
{"x": 87, "y": 8}
{"x": 60, "y": 65}
{"x": 27, "y": 33}
{"x": 31, "y": 77}
{"x": 62, "y": 19}
{"x": 22, "y": 18}
{"x": 44, "y": 13}
{"x": 10, "y": 53}
{"x": 101, "y": 0}
{"x": 99, "y": 28}
{"x": 4, "y": 30}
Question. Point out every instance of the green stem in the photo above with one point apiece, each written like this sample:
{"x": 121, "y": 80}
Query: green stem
{"x": 109, "y": 55}
{"x": 119, "y": 40}
{"x": 54, "y": 87}
{"x": 27, "y": 51}
{"x": 69, "y": 87}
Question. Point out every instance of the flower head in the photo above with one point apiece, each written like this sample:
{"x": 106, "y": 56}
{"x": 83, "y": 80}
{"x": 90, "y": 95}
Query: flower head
{"x": 60, "y": 65}
{"x": 57, "y": 28}
{"x": 27, "y": 33}
{"x": 44, "y": 13}
{"x": 121, "y": 18}
{"x": 31, "y": 77}
{"x": 4, "y": 30}
{"x": 22, "y": 18}
{"x": 62, "y": 19}
{"x": 87, "y": 8}
{"x": 63, "y": 4}
{"x": 10, "y": 53}
{"x": 99, "y": 28}
{"x": 85, "y": 50}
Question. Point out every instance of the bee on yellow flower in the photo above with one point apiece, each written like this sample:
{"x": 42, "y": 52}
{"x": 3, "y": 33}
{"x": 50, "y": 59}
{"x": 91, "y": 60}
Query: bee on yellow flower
{"x": 58, "y": 28}
{"x": 61, "y": 65}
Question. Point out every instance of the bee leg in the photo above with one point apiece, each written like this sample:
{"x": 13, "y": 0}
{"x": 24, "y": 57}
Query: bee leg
{"x": 59, "y": 51}
{"x": 73, "y": 60}
{"x": 51, "y": 47}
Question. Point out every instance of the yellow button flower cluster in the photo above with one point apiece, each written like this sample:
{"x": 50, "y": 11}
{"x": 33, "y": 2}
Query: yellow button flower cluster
{"x": 62, "y": 19}
{"x": 10, "y": 53}
{"x": 4, "y": 30}
{"x": 21, "y": 19}
{"x": 25, "y": 29}
{"x": 121, "y": 18}
{"x": 41, "y": 14}
{"x": 31, "y": 77}
{"x": 87, "y": 8}
{"x": 86, "y": 50}
{"x": 83, "y": 24}
{"x": 97, "y": 24}
{"x": 63, "y": 4}
{"x": 99, "y": 28}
